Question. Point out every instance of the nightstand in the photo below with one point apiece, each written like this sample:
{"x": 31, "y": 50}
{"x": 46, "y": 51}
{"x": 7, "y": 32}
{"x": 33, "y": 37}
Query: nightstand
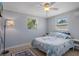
{"x": 76, "y": 43}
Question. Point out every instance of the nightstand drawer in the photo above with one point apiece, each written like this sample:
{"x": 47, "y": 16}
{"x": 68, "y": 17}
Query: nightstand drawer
{"x": 76, "y": 47}
{"x": 76, "y": 43}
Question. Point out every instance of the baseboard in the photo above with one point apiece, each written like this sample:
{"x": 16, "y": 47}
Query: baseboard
{"x": 18, "y": 46}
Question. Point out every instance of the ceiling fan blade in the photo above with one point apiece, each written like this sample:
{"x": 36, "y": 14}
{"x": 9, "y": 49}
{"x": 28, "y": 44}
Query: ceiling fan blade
{"x": 54, "y": 8}
{"x": 40, "y": 5}
{"x": 52, "y": 3}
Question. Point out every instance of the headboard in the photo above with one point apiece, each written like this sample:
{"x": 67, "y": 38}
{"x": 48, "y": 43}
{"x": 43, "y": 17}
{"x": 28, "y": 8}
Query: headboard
{"x": 65, "y": 32}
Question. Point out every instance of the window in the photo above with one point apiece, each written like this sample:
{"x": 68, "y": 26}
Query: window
{"x": 62, "y": 23}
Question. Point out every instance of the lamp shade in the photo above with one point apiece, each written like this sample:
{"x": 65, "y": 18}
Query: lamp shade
{"x": 10, "y": 23}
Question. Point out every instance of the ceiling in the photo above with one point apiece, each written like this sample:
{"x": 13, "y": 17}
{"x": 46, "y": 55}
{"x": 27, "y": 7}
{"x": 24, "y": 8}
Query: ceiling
{"x": 34, "y": 8}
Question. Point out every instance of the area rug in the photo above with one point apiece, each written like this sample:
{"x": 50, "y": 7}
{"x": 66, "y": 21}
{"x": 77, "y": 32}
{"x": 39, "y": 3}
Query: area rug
{"x": 25, "y": 53}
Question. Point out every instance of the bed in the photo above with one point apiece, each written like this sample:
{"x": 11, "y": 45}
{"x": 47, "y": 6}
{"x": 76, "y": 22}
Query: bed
{"x": 53, "y": 45}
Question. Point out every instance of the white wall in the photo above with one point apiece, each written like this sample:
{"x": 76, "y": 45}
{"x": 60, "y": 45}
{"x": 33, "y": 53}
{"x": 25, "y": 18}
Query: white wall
{"x": 51, "y": 24}
{"x": 73, "y": 17}
{"x": 20, "y": 34}
{"x": 74, "y": 24}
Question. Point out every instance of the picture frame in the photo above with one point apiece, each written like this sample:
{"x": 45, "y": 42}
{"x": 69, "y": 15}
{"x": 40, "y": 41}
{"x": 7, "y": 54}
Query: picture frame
{"x": 31, "y": 23}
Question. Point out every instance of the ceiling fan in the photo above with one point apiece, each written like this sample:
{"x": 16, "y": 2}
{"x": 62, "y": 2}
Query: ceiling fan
{"x": 48, "y": 6}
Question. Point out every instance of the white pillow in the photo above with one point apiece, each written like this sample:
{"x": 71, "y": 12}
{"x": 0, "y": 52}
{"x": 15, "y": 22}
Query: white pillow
{"x": 60, "y": 35}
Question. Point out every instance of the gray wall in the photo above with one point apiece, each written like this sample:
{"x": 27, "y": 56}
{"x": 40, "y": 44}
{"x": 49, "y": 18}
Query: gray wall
{"x": 73, "y": 19}
{"x": 21, "y": 34}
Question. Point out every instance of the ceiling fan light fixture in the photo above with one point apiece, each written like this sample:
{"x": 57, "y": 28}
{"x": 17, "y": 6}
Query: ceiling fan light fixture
{"x": 46, "y": 8}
